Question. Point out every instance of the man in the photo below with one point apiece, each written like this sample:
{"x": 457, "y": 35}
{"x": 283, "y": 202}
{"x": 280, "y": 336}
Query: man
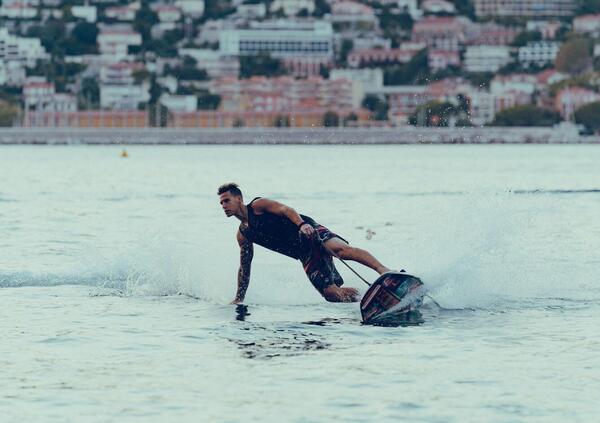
{"x": 280, "y": 228}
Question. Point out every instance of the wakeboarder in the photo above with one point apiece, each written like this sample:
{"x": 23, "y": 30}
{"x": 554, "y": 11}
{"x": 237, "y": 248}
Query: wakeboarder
{"x": 280, "y": 228}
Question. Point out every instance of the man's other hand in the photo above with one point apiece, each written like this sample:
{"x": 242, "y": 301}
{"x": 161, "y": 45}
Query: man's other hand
{"x": 307, "y": 230}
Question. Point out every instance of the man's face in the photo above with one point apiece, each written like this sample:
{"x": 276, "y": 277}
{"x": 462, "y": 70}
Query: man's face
{"x": 231, "y": 204}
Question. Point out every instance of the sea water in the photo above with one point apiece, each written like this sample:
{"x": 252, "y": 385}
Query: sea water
{"x": 116, "y": 274}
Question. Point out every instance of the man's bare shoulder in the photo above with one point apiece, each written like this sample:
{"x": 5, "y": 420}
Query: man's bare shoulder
{"x": 262, "y": 205}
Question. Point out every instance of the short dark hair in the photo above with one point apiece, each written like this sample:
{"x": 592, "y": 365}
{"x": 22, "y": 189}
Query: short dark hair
{"x": 231, "y": 187}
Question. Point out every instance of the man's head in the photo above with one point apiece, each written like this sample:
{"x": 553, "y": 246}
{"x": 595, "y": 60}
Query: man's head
{"x": 231, "y": 199}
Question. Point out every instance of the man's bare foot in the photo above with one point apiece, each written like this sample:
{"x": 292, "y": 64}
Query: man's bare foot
{"x": 336, "y": 294}
{"x": 351, "y": 295}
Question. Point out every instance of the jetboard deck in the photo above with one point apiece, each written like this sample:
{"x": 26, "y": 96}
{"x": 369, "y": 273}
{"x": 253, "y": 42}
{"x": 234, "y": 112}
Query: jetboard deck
{"x": 392, "y": 294}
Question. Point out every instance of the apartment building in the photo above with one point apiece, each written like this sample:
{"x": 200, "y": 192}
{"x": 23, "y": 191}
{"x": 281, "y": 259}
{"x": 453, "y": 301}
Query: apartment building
{"x": 525, "y": 8}
{"x": 12, "y": 73}
{"x": 539, "y": 53}
{"x": 486, "y": 58}
{"x": 304, "y": 47}
{"x": 26, "y": 51}
{"x": 115, "y": 40}
{"x": 261, "y": 94}
{"x": 292, "y": 7}
{"x": 378, "y": 56}
{"x": 442, "y": 33}
{"x": 569, "y": 99}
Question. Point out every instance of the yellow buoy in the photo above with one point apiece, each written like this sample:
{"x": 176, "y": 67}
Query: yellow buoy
{"x": 124, "y": 154}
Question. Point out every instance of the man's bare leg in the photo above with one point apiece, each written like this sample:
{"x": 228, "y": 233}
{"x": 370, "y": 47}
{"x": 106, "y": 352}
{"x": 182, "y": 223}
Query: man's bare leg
{"x": 344, "y": 251}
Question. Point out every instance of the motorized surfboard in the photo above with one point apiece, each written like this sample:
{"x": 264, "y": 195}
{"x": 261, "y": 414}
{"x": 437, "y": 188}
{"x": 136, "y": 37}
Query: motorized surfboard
{"x": 392, "y": 295}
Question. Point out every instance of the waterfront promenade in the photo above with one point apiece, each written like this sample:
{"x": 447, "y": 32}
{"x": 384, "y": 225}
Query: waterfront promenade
{"x": 404, "y": 135}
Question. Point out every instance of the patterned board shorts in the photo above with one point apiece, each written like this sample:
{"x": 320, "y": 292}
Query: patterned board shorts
{"x": 318, "y": 263}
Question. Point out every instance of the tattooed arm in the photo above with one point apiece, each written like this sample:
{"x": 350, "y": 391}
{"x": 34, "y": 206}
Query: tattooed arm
{"x": 246, "y": 254}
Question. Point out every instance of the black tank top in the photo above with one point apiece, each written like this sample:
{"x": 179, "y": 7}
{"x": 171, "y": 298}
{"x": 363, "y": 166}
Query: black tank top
{"x": 277, "y": 233}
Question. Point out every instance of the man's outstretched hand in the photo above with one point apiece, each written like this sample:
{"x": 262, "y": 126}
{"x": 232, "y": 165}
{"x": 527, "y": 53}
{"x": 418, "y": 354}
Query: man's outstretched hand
{"x": 307, "y": 230}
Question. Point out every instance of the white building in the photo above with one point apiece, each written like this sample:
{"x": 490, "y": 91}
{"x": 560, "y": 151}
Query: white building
{"x": 438, "y": 6}
{"x": 122, "y": 13}
{"x": 486, "y": 58}
{"x": 292, "y": 7}
{"x": 519, "y": 82}
{"x": 251, "y": 11}
{"x": 587, "y": 24}
{"x": 370, "y": 40}
{"x": 40, "y": 96}
{"x": 18, "y": 10}
{"x": 158, "y": 30}
{"x": 12, "y": 73}
{"x": 192, "y": 8}
{"x": 304, "y": 47}
{"x": 123, "y": 97}
{"x": 210, "y": 32}
{"x": 89, "y": 13}
{"x": 120, "y": 73}
{"x": 363, "y": 80}
{"x": 548, "y": 29}
{"x": 539, "y": 53}
{"x": 482, "y": 110}
{"x": 441, "y": 59}
{"x": 351, "y": 16}
{"x": 167, "y": 13}
{"x": 526, "y": 8}
{"x": 179, "y": 103}
{"x": 24, "y": 50}
{"x": 115, "y": 40}
{"x": 280, "y": 39}
{"x": 370, "y": 78}
{"x": 168, "y": 82}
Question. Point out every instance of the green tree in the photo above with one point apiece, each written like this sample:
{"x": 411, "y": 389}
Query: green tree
{"x": 377, "y": 105}
{"x": 8, "y": 113}
{"x": 416, "y": 71}
{"x": 480, "y": 79}
{"x": 89, "y": 94}
{"x": 466, "y": 8}
{"x": 589, "y": 116}
{"x": 574, "y": 56}
{"x": 525, "y": 37}
{"x": 526, "y": 115}
{"x": 434, "y": 113}
{"x": 321, "y": 8}
{"x": 395, "y": 26}
{"x": 589, "y": 6}
{"x": 262, "y": 64}
{"x": 352, "y": 117}
{"x": 217, "y": 9}
{"x": 331, "y": 119}
{"x": 145, "y": 18}
{"x": 208, "y": 101}
{"x": 85, "y": 33}
{"x": 345, "y": 49}
{"x": 281, "y": 121}
{"x": 52, "y": 35}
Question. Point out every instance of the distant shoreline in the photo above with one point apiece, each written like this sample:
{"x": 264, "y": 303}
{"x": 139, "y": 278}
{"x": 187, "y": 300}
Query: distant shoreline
{"x": 285, "y": 136}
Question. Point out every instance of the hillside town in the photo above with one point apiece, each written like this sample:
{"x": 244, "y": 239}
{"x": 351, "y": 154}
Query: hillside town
{"x": 299, "y": 63}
